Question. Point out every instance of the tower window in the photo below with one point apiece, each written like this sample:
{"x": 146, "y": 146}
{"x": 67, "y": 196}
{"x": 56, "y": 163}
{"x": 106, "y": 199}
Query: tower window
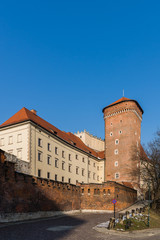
{"x": 116, "y": 141}
{"x": 111, "y": 134}
{"x": 116, "y": 151}
{"x": 111, "y": 123}
{"x": 116, "y": 164}
{"x": 120, "y": 131}
{"x": 116, "y": 175}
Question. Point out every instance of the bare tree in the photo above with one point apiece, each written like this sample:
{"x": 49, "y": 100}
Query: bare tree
{"x": 148, "y": 166}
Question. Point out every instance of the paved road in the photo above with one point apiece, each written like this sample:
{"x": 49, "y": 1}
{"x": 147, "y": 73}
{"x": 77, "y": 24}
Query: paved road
{"x": 76, "y": 227}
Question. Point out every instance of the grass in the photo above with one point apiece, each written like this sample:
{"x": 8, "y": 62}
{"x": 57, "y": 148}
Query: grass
{"x": 141, "y": 222}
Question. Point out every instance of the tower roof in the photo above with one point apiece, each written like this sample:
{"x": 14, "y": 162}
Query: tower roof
{"x": 24, "y": 115}
{"x": 123, "y": 99}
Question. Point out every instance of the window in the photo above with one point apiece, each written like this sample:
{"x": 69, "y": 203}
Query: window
{"x": 63, "y": 165}
{"x": 48, "y": 175}
{"x": 10, "y": 151}
{"x": 116, "y": 175}
{"x": 82, "y": 171}
{"x": 19, "y": 138}
{"x": 111, "y": 134}
{"x": 62, "y": 179}
{"x": 77, "y": 170}
{"x": 55, "y": 177}
{"x": 116, "y": 151}
{"x": 109, "y": 192}
{"x": 116, "y": 141}
{"x": 94, "y": 165}
{"x": 39, "y": 142}
{"x": 104, "y": 191}
{"x": 69, "y": 157}
{"x": 2, "y": 142}
{"x": 89, "y": 162}
{"x": 19, "y": 153}
{"x": 10, "y": 140}
{"x": 98, "y": 168}
{"x": 40, "y": 156}
{"x": 120, "y": 131}
{"x": 39, "y": 173}
{"x": 49, "y": 160}
{"x": 116, "y": 164}
{"x": 69, "y": 168}
{"x": 63, "y": 154}
{"x": 97, "y": 178}
{"x": 49, "y": 147}
{"x": 56, "y": 150}
{"x": 94, "y": 176}
{"x": 111, "y": 123}
{"x": 82, "y": 191}
{"x": 56, "y": 162}
{"x": 89, "y": 174}
{"x": 69, "y": 180}
{"x": 83, "y": 159}
{"x": 88, "y": 191}
{"x": 76, "y": 156}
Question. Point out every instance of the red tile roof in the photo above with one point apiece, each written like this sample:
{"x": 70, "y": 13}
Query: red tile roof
{"x": 123, "y": 99}
{"x": 119, "y": 100}
{"x": 24, "y": 114}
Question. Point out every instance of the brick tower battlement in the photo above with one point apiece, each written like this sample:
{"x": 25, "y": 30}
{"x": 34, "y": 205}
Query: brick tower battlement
{"x": 122, "y": 132}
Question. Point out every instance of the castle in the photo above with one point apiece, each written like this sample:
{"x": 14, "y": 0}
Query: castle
{"x": 70, "y": 158}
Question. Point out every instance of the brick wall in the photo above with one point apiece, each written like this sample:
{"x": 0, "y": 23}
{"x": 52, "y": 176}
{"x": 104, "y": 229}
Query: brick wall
{"x": 122, "y": 133}
{"x": 100, "y": 196}
{"x": 20, "y": 192}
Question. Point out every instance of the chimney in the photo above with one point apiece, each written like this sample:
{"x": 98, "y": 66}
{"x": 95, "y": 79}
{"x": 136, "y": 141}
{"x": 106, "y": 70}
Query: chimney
{"x": 34, "y": 111}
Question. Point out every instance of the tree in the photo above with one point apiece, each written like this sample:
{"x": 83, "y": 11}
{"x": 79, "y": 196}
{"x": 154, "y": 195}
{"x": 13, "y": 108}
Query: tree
{"x": 148, "y": 166}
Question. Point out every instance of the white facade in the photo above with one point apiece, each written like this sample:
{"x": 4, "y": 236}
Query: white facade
{"x": 91, "y": 141}
{"x": 50, "y": 156}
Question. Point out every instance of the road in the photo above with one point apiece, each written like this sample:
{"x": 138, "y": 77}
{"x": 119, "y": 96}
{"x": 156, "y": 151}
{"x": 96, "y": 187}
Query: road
{"x": 75, "y": 227}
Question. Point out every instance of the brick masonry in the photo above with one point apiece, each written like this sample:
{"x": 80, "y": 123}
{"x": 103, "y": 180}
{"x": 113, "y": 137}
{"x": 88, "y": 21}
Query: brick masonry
{"x": 22, "y": 193}
{"x": 122, "y": 123}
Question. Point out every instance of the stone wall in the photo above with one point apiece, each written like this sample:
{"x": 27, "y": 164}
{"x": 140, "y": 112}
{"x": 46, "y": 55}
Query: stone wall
{"x": 22, "y": 193}
{"x": 20, "y": 165}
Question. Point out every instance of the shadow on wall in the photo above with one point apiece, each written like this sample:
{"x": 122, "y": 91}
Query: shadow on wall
{"x": 21, "y": 193}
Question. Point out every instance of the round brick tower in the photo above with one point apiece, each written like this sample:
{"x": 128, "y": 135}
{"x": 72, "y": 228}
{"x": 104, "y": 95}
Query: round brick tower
{"x": 122, "y": 135}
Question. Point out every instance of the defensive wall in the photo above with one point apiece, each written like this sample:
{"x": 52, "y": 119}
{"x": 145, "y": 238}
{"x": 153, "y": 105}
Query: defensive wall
{"x": 22, "y": 193}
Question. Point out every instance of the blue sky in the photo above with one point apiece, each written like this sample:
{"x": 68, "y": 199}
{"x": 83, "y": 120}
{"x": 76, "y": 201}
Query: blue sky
{"x": 69, "y": 59}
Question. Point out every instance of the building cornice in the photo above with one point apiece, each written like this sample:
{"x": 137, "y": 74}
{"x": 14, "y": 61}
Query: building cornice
{"x": 122, "y": 111}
